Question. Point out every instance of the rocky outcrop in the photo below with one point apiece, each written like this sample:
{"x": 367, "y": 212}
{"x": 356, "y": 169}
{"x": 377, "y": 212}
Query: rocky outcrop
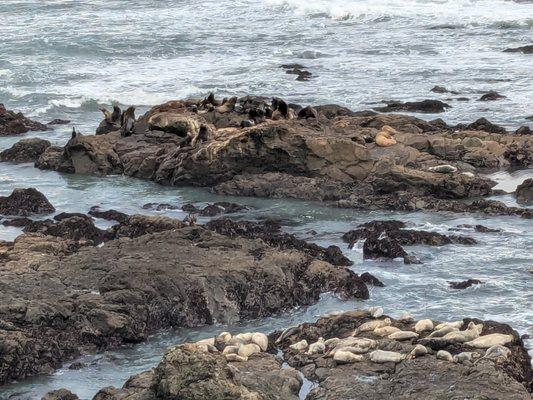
{"x": 25, "y": 202}
{"x": 491, "y": 96}
{"x": 330, "y": 157}
{"x": 344, "y": 356}
{"x": 12, "y": 123}
{"x": 524, "y": 191}
{"x": 424, "y": 106}
{"x": 61, "y": 297}
{"x": 464, "y": 284}
{"x": 270, "y": 232}
{"x": 26, "y": 150}
{"x": 522, "y": 49}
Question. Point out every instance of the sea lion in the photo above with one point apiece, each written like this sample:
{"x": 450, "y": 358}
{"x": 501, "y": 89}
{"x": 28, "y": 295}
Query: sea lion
{"x": 403, "y": 335}
{"x": 443, "y": 169}
{"x": 248, "y": 349}
{"x": 384, "y": 137}
{"x": 381, "y": 356}
{"x": 115, "y": 115}
{"x": 424, "y": 325}
{"x": 281, "y": 109}
{"x": 444, "y": 355}
{"x": 227, "y": 106}
{"x": 202, "y": 135}
{"x": 487, "y": 341}
{"x": 299, "y": 346}
{"x": 308, "y": 112}
{"x": 292, "y": 330}
{"x": 346, "y": 357}
{"x": 210, "y": 100}
{"x": 107, "y": 114}
{"x": 127, "y": 121}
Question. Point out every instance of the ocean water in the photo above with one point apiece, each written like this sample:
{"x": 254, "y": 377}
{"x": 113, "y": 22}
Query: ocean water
{"x": 64, "y": 58}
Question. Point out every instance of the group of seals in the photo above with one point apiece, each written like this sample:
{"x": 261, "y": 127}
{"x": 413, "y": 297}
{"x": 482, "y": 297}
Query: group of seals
{"x": 117, "y": 119}
{"x": 384, "y": 138}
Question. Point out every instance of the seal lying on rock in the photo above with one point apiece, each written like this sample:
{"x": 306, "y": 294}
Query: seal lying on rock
{"x": 443, "y": 169}
{"x": 384, "y": 137}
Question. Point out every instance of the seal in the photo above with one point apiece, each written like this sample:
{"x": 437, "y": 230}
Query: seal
{"x": 470, "y": 333}
{"x": 235, "y": 357}
{"x": 418, "y": 351}
{"x": 424, "y": 325}
{"x": 317, "y": 347}
{"x": 385, "y": 331}
{"x": 403, "y": 335}
{"x": 308, "y": 112}
{"x": 202, "y": 135}
{"x": 299, "y": 346}
{"x": 227, "y": 106}
{"x": 115, "y": 115}
{"x": 261, "y": 340}
{"x": 443, "y": 169}
{"x": 487, "y": 341}
{"x": 384, "y": 137}
{"x": 381, "y": 356}
{"x": 127, "y": 121}
{"x": 372, "y": 325}
{"x": 248, "y": 349}
{"x": 107, "y": 114}
{"x": 444, "y": 355}
{"x": 346, "y": 357}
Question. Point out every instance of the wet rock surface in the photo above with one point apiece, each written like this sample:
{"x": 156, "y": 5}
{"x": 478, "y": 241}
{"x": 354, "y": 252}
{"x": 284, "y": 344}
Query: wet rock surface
{"x": 424, "y": 106}
{"x": 524, "y": 192}
{"x": 327, "y": 154}
{"x": 491, "y": 96}
{"x": 12, "y": 123}
{"x": 26, "y": 150}
{"x": 464, "y": 284}
{"x": 24, "y": 202}
{"x": 345, "y": 355}
{"x": 522, "y": 49}
{"x": 62, "y": 296}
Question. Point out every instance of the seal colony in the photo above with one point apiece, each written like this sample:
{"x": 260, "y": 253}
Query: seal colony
{"x": 254, "y": 146}
{"x": 346, "y": 355}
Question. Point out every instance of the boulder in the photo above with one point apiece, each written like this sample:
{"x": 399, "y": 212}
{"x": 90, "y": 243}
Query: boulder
{"x": 424, "y": 106}
{"x": 12, "y": 123}
{"x": 26, "y": 150}
{"x": 524, "y": 191}
{"x": 25, "y": 202}
{"x": 528, "y": 49}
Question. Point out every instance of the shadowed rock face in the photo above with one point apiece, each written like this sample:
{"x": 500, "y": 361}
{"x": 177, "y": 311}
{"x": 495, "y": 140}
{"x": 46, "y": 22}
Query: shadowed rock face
{"x": 188, "y": 371}
{"x": 12, "y": 123}
{"x": 25, "y": 202}
{"x": 62, "y": 296}
{"x": 524, "y": 192}
{"x": 332, "y": 157}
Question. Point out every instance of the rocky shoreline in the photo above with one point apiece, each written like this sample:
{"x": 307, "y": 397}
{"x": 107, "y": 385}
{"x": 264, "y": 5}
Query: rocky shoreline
{"x": 356, "y": 354}
{"x": 68, "y": 287}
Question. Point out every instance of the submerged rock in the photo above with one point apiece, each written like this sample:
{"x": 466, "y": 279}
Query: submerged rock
{"x": 60, "y": 394}
{"x": 464, "y": 284}
{"x": 26, "y": 150}
{"x": 12, "y": 123}
{"x": 491, "y": 96}
{"x": 25, "y": 202}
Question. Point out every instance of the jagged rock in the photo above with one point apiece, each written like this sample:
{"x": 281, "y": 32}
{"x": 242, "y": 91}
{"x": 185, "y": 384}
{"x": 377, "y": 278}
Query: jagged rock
{"x": 25, "y": 202}
{"x": 59, "y": 121}
{"x": 62, "y": 299}
{"x": 26, "y": 150}
{"x": 138, "y": 225}
{"x": 112, "y": 215}
{"x": 524, "y": 191}
{"x": 491, "y": 96}
{"x": 483, "y": 124}
{"x": 464, "y": 284}
{"x": 73, "y": 227}
{"x": 12, "y": 123}
{"x": 270, "y": 232}
{"x": 528, "y": 49}
{"x": 60, "y": 394}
